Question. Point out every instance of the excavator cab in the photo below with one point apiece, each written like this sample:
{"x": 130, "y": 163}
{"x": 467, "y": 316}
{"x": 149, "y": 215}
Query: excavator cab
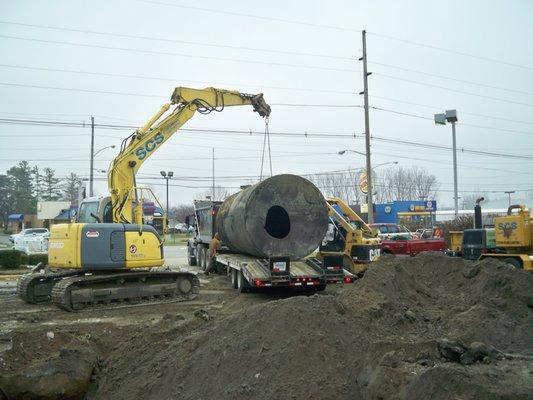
{"x": 95, "y": 210}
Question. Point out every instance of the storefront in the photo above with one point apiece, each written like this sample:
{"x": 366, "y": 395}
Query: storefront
{"x": 400, "y": 212}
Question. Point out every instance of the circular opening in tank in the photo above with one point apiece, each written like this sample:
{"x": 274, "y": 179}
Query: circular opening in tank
{"x": 277, "y": 223}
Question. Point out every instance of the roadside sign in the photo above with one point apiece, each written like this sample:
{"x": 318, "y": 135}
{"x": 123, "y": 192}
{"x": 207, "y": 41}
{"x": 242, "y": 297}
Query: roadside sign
{"x": 363, "y": 182}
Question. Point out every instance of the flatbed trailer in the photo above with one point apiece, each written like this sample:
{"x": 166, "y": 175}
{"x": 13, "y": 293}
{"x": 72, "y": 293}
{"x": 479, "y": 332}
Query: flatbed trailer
{"x": 248, "y": 272}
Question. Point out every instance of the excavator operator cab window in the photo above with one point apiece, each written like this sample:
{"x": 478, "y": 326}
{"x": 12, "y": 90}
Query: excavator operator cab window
{"x": 108, "y": 213}
{"x": 86, "y": 209}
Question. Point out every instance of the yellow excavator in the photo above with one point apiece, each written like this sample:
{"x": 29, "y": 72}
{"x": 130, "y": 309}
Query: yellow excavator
{"x": 109, "y": 254}
{"x": 513, "y": 238}
{"x": 349, "y": 239}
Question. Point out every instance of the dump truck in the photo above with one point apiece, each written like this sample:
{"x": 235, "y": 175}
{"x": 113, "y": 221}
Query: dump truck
{"x": 267, "y": 233}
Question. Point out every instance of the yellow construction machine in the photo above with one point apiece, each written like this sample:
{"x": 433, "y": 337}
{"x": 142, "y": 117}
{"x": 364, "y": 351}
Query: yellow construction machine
{"x": 349, "y": 239}
{"x": 514, "y": 238}
{"x": 107, "y": 254}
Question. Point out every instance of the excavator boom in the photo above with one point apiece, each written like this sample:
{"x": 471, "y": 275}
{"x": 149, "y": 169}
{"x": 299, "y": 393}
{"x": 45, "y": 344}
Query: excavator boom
{"x": 145, "y": 141}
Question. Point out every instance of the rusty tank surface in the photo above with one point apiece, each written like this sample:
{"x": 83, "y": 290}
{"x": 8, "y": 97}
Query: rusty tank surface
{"x": 282, "y": 216}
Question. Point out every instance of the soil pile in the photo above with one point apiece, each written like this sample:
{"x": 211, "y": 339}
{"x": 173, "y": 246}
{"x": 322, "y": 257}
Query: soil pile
{"x": 424, "y": 327}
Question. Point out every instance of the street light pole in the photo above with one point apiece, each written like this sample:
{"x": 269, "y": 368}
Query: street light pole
{"x": 91, "y": 172}
{"x": 440, "y": 119}
{"x": 93, "y": 155}
{"x": 509, "y": 192}
{"x": 213, "y": 159}
{"x": 167, "y": 176}
{"x": 455, "y": 191}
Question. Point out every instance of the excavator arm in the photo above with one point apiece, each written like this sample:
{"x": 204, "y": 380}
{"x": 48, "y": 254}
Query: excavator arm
{"x": 145, "y": 141}
{"x": 339, "y": 210}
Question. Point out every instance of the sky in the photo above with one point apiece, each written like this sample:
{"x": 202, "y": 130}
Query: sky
{"x": 119, "y": 61}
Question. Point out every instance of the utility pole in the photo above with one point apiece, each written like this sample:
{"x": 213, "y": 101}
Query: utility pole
{"x": 370, "y": 202}
{"x": 91, "y": 173}
{"x": 509, "y": 192}
{"x": 213, "y": 160}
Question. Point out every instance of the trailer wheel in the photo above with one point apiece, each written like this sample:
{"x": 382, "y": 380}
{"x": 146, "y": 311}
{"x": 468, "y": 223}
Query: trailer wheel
{"x": 199, "y": 254}
{"x": 204, "y": 258}
{"x": 234, "y": 278}
{"x": 321, "y": 288}
{"x": 191, "y": 257}
{"x": 513, "y": 262}
{"x": 242, "y": 285}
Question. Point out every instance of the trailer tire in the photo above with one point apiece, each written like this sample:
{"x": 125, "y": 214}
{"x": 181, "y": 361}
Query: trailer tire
{"x": 204, "y": 258}
{"x": 321, "y": 287}
{"x": 199, "y": 255}
{"x": 234, "y": 278}
{"x": 191, "y": 256}
{"x": 242, "y": 285}
{"x": 513, "y": 262}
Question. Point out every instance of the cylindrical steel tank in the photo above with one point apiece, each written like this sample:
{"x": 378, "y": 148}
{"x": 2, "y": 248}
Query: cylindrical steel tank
{"x": 285, "y": 215}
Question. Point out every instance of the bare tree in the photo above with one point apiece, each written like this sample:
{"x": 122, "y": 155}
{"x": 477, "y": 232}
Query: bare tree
{"x": 341, "y": 184}
{"x": 178, "y": 213}
{"x": 405, "y": 184}
{"x": 221, "y": 193}
{"x": 469, "y": 200}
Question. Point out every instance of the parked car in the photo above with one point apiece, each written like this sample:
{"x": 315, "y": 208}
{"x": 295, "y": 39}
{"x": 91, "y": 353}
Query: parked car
{"x": 181, "y": 228}
{"x": 30, "y": 232}
{"x": 388, "y": 231}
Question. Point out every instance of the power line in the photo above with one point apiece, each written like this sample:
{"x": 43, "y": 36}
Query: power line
{"x": 113, "y": 75}
{"x": 453, "y": 90}
{"x": 440, "y": 108}
{"x": 82, "y": 90}
{"x": 262, "y": 17}
{"x": 249, "y": 85}
{"x": 291, "y": 134}
{"x": 443, "y": 49}
{"x": 460, "y": 123}
{"x": 168, "y": 53}
{"x": 165, "y": 40}
{"x": 451, "y": 78}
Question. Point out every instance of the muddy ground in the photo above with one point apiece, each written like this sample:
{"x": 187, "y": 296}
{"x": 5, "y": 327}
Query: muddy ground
{"x": 423, "y": 327}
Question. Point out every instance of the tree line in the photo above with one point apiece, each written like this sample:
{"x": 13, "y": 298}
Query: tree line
{"x": 399, "y": 183}
{"x": 23, "y": 185}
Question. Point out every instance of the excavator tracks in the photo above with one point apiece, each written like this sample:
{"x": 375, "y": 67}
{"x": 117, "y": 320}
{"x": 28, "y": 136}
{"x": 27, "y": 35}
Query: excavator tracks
{"x": 88, "y": 291}
{"x": 37, "y": 287}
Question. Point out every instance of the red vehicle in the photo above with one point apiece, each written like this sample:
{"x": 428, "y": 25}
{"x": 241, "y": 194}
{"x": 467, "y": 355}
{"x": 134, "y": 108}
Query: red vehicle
{"x": 404, "y": 245}
{"x": 388, "y": 231}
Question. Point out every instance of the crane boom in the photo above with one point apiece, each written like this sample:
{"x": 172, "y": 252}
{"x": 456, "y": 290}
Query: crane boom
{"x": 145, "y": 141}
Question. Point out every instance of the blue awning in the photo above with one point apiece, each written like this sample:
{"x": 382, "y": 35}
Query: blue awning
{"x": 15, "y": 217}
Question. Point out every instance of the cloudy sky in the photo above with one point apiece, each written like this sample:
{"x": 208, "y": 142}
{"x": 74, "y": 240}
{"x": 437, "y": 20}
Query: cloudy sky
{"x": 63, "y": 61}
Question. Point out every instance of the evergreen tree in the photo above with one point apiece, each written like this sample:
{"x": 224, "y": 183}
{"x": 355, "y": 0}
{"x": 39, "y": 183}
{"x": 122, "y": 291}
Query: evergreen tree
{"x": 6, "y": 204}
{"x": 38, "y": 183}
{"x": 51, "y": 186}
{"x": 22, "y": 197}
{"x": 70, "y": 188}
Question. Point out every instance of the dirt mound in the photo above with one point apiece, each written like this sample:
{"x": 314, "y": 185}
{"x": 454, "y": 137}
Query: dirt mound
{"x": 424, "y": 327}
